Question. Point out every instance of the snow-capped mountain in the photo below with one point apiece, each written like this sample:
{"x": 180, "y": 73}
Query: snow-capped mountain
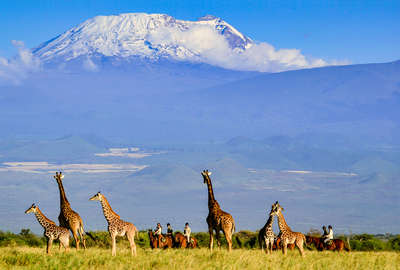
{"x": 151, "y": 36}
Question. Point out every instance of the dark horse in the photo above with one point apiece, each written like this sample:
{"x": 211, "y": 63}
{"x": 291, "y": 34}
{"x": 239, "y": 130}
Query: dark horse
{"x": 154, "y": 243}
{"x": 318, "y": 242}
{"x": 181, "y": 242}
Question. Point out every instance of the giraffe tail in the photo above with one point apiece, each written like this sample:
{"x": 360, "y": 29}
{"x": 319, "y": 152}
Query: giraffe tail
{"x": 83, "y": 233}
{"x": 91, "y": 236}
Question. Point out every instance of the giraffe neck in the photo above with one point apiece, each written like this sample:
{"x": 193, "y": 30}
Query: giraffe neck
{"x": 270, "y": 221}
{"x": 63, "y": 197}
{"x": 211, "y": 199}
{"x": 109, "y": 214}
{"x": 282, "y": 223}
{"x": 42, "y": 219}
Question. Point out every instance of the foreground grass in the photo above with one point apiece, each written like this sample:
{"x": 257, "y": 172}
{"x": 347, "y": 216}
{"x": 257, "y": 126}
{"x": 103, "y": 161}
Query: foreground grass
{"x": 95, "y": 258}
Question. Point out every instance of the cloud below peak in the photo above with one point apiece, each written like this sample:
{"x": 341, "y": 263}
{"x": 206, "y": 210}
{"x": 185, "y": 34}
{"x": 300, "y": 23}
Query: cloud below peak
{"x": 202, "y": 43}
{"x": 16, "y": 69}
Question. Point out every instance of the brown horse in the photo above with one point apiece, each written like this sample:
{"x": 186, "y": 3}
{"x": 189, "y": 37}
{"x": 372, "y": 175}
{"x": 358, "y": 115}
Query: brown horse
{"x": 277, "y": 244}
{"x": 165, "y": 242}
{"x": 181, "y": 242}
{"x": 318, "y": 242}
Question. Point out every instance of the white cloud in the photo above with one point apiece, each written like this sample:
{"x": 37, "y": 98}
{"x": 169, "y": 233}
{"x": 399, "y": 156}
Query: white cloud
{"x": 16, "y": 69}
{"x": 45, "y": 167}
{"x": 204, "y": 44}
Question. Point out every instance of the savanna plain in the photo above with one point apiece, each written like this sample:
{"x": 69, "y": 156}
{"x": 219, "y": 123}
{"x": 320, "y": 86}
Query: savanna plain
{"x": 99, "y": 258}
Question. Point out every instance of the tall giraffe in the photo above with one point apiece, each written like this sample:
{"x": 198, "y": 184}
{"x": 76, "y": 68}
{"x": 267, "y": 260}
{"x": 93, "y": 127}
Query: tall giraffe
{"x": 68, "y": 218}
{"x": 51, "y": 230}
{"x": 287, "y": 236}
{"x": 116, "y": 226}
{"x": 217, "y": 219}
{"x": 266, "y": 235}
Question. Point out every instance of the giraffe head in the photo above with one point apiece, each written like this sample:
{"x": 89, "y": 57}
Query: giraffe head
{"x": 31, "y": 209}
{"x": 276, "y": 208}
{"x": 58, "y": 176}
{"x": 206, "y": 176}
{"x": 97, "y": 197}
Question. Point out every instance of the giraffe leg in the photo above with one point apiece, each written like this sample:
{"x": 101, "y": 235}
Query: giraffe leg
{"x": 218, "y": 239}
{"x": 299, "y": 245}
{"x": 228, "y": 238}
{"x": 284, "y": 247}
{"x": 114, "y": 245}
{"x": 210, "y": 231}
{"x": 131, "y": 238}
{"x": 82, "y": 236}
{"x": 49, "y": 245}
{"x": 66, "y": 243}
{"x": 76, "y": 238}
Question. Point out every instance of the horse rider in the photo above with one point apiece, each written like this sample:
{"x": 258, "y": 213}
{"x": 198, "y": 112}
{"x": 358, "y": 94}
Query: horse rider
{"x": 169, "y": 230}
{"x": 186, "y": 232}
{"x": 158, "y": 233}
{"x": 328, "y": 235}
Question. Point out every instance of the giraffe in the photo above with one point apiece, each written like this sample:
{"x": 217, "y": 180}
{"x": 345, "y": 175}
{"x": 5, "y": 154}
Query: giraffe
{"x": 217, "y": 219}
{"x": 68, "y": 218}
{"x": 266, "y": 235}
{"x": 287, "y": 236}
{"x": 116, "y": 226}
{"x": 51, "y": 230}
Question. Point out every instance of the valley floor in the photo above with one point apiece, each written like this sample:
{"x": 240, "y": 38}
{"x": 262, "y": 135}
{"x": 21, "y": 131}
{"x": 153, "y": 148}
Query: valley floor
{"x": 95, "y": 258}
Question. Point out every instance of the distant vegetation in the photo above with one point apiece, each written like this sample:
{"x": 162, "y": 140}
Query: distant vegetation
{"x": 242, "y": 239}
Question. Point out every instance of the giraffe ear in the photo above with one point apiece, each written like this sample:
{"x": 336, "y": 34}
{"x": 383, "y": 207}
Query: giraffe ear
{"x": 209, "y": 173}
{"x": 61, "y": 176}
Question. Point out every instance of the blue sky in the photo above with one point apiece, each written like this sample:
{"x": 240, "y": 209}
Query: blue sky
{"x": 358, "y": 31}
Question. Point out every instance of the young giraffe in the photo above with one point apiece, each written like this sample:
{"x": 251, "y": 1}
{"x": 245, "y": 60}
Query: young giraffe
{"x": 68, "y": 218}
{"x": 51, "y": 230}
{"x": 286, "y": 234}
{"x": 266, "y": 235}
{"x": 217, "y": 219}
{"x": 116, "y": 226}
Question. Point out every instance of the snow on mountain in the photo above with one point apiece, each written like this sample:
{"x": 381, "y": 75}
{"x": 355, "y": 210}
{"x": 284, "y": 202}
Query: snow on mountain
{"x": 136, "y": 34}
{"x": 208, "y": 40}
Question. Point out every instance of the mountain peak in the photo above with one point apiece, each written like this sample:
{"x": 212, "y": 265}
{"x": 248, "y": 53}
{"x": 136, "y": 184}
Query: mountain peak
{"x": 152, "y": 36}
{"x": 208, "y": 18}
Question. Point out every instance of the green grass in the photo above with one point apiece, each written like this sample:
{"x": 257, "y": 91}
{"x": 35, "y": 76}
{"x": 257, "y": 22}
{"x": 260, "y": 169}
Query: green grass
{"x": 97, "y": 258}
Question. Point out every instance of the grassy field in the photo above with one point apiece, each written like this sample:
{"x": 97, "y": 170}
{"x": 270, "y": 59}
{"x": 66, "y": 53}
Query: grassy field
{"x": 96, "y": 258}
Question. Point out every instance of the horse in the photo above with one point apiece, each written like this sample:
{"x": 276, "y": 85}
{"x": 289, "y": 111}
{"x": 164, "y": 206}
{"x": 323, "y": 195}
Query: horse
{"x": 336, "y": 245}
{"x": 181, "y": 242}
{"x": 166, "y": 241}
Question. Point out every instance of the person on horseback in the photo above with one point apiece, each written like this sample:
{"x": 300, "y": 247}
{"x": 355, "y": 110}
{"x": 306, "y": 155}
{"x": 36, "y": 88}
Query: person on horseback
{"x": 169, "y": 230}
{"x": 158, "y": 233}
{"x": 328, "y": 235}
{"x": 186, "y": 232}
